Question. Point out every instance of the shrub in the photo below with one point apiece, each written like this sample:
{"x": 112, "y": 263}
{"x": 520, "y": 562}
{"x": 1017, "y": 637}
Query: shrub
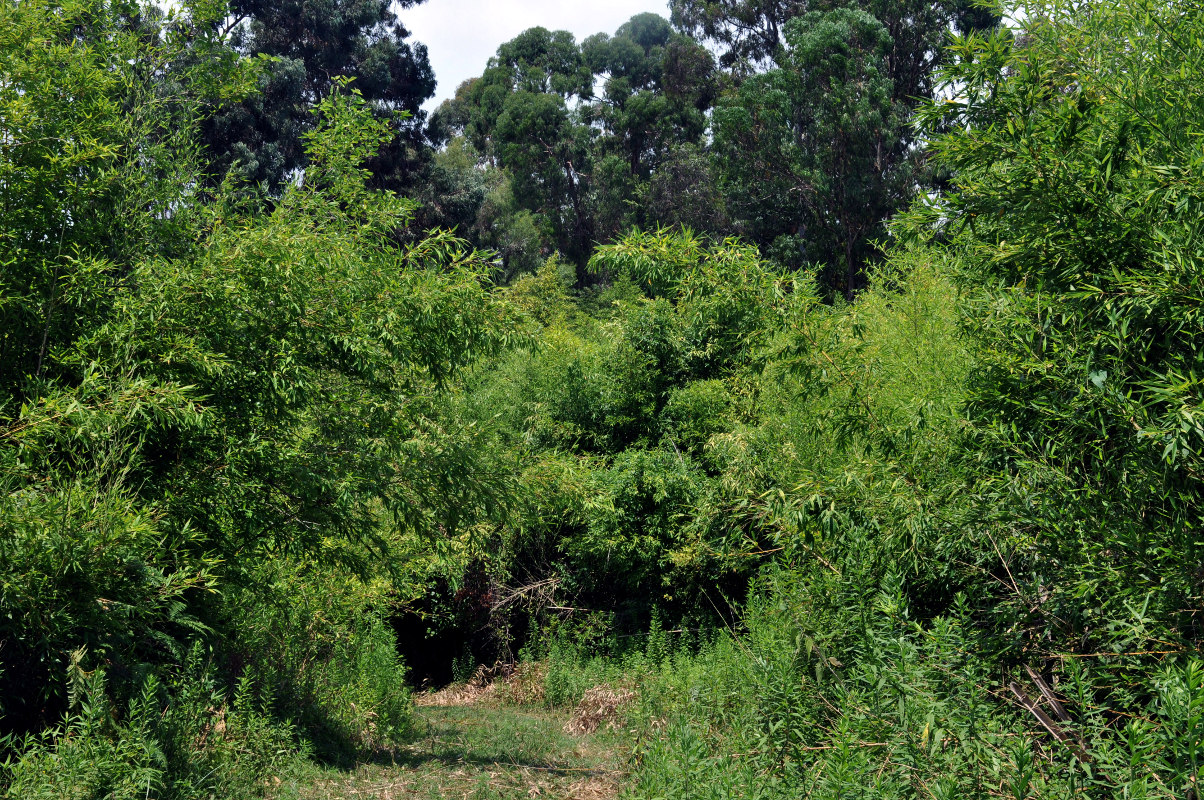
{"x": 313, "y": 641}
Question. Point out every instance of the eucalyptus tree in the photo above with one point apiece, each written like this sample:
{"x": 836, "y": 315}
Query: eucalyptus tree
{"x": 751, "y": 33}
{"x": 311, "y": 43}
{"x": 811, "y": 154}
{"x": 522, "y": 115}
{"x": 657, "y": 87}
{"x": 814, "y": 145}
{"x": 581, "y": 130}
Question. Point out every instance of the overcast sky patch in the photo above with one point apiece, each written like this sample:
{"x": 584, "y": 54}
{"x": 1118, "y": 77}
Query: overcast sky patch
{"x": 462, "y": 34}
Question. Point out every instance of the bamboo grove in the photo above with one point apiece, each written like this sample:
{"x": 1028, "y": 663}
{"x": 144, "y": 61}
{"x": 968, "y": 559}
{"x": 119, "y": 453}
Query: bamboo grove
{"x": 828, "y": 373}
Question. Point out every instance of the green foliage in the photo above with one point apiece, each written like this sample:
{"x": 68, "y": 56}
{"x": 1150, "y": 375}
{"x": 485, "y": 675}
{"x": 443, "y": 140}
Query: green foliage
{"x": 913, "y": 712}
{"x": 684, "y": 193}
{"x": 519, "y": 115}
{"x": 303, "y": 639}
{"x": 312, "y": 364}
{"x": 725, "y": 299}
{"x": 86, "y": 566}
{"x": 86, "y": 562}
{"x": 480, "y": 204}
{"x": 633, "y": 539}
{"x": 695, "y": 412}
{"x": 611, "y": 420}
{"x": 95, "y": 166}
{"x": 196, "y": 744}
{"x": 90, "y": 759}
{"x": 823, "y": 134}
{"x": 192, "y": 391}
{"x": 1077, "y": 218}
{"x": 658, "y": 85}
{"x": 306, "y": 51}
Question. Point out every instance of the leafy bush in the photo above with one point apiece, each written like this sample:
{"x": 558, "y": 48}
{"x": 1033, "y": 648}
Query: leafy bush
{"x": 193, "y": 387}
{"x": 313, "y": 642}
{"x": 182, "y": 739}
{"x": 1077, "y": 221}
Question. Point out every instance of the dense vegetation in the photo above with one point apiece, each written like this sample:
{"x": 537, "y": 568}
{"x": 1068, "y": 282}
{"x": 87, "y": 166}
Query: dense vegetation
{"x": 828, "y": 373}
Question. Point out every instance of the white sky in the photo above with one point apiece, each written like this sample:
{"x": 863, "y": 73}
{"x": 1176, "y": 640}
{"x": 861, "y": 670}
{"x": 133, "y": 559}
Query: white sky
{"x": 461, "y": 35}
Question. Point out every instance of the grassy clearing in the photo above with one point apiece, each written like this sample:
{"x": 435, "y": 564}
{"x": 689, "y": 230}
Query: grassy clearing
{"x": 481, "y": 749}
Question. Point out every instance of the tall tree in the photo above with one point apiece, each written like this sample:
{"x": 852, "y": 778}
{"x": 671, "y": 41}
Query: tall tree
{"x": 582, "y": 165}
{"x": 811, "y": 154}
{"x": 523, "y": 116}
{"x": 315, "y": 42}
{"x": 750, "y": 33}
{"x": 815, "y": 149}
{"x": 658, "y": 86}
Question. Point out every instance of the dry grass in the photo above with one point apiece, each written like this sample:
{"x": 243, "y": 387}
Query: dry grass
{"x": 524, "y": 685}
{"x": 594, "y": 789}
{"x": 599, "y": 706}
{"x": 520, "y": 685}
{"x": 458, "y": 694}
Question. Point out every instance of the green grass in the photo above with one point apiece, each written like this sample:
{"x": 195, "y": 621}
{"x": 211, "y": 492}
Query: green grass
{"x": 477, "y": 753}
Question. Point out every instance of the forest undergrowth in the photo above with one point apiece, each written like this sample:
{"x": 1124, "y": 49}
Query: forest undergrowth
{"x": 722, "y": 516}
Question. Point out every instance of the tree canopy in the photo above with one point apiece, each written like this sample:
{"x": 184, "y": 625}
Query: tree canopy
{"x": 311, "y": 45}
